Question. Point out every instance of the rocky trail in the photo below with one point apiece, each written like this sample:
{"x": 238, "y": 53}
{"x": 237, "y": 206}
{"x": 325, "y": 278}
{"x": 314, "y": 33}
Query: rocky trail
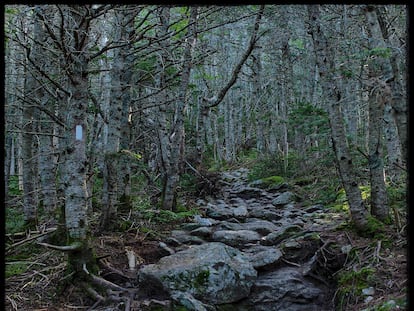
{"x": 254, "y": 246}
{"x": 252, "y": 249}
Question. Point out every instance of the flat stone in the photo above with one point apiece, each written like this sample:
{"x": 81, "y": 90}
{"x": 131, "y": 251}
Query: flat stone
{"x": 236, "y": 238}
{"x": 275, "y": 238}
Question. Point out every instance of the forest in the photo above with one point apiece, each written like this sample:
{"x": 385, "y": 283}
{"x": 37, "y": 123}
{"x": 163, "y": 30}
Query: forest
{"x": 204, "y": 157}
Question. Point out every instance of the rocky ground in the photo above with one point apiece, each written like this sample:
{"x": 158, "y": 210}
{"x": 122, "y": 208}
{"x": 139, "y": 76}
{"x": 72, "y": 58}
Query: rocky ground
{"x": 253, "y": 247}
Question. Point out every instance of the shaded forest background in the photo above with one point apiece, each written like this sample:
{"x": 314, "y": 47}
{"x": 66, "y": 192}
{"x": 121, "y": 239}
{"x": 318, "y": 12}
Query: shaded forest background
{"x": 111, "y": 109}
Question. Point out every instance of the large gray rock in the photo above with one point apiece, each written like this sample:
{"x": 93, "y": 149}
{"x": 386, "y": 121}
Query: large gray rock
{"x": 284, "y": 198}
{"x": 265, "y": 259}
{"x": 236, "y": 238}
{"x": 286, "y": 289}
{"x": 263, "y": 227}
{"x": 265, "y": 213}
{"x": 240, "y": 212}
{"x": 275, "y": 238}
{"x": 219, "y": 211}
{"x": 213, "y": 273}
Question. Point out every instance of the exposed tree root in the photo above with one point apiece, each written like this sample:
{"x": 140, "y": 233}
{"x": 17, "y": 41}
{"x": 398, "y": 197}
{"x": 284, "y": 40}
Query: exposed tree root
{"x": 66, "y": 248}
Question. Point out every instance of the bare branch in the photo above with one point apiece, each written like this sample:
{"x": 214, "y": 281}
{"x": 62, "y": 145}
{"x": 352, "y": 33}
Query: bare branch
{"x": 239, "y": 66}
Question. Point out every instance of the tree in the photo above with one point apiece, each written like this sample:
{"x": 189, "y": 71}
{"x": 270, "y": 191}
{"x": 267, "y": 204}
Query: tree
{"x": 380, "y": 93}
{"x": 209, "y": 102}
{"x": 116, "y": 172}
{"x": 325, "y": 60}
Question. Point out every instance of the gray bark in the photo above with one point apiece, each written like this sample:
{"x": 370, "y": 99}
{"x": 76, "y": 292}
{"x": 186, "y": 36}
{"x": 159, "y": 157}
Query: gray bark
{"x": 258, "y": 103}
{"x": 116, "y": 187}
{"x": 47, "y": 158}
{"x": 394, "y": 155}
{"x": 379, "y": 204}
{"x": 76, "y": 107}
{"x": 28, "y": 127}
{"x": 325, "y": 61}
{"x": 398, "y": 102}
{"x": 380, "y": 93}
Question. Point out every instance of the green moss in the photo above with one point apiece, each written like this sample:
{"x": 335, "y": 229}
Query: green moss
{"x": 202, "y": 278}
{"x": 273, "y": 180}
{"x": 373, "y": 228}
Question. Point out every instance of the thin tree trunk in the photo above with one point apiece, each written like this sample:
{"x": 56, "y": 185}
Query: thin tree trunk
{"x": 394, "y": 155}
{"x": 47, "y": 161}
{"x": 398, "y": 103}
{"x": 324, "y": 59}
{"x": 379, "y": 94}
{"x": 379, "y": 204}
{"x": 177, "y": 135}
{"x": 28, "y": 127}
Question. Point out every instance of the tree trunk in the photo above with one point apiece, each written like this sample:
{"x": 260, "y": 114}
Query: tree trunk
{"x": 47, "y": 157}
{"x": 172, "y": 138}
{"x": 75, "y": 165}
{"x": 116, "y": 173}
{"x": 379, "y": 204}
{"x": 325, "y": 61}
{"x": 398, "y": 103}
{"x": 394, "y": 155}
{"x": 28, "y": 127}
{"x": 258, "y": 104}
{"x": 379, "y": 94}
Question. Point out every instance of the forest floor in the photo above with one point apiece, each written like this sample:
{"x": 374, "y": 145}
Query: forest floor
{"x": 38, "y": 286}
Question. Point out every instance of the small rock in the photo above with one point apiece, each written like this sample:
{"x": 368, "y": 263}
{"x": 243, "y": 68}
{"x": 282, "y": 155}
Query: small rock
{"x": 369, "y": 291}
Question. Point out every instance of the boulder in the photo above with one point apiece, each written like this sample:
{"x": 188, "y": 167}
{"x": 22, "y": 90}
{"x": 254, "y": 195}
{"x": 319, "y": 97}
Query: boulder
{"x": 265, "y": 259}
{"x": 284, "y": 198}
{"x": 240, "y": 212}
{"x": 213, "y": 273}
{"x": 286, "y": 289}
{"x": 236, "y": 238}
{"x": 263, "y": 227}
{"x": 275, "y": 238}
{"x": 219, "y": 211}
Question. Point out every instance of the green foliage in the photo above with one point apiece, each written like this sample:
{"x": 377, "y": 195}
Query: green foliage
{"x": 389, "y": 305}
{"x": 202, "y": 278}
{"x": 14, "y": 186}
{"x": 341, "y": 202}
{"x": 188, "y": 182}
{"x": 308, "y": 119}
{"x": 14, "y": 220}
{"x": 273, "y": 180}
{"x": 15, "y": 268}
{"x": 397, "y": 196}
{"x": 150, "y": 213}
{"x": 351, "y": 284}
{"x": 273, "y": 165}
{"x": 374, "y": 228}
{"x": 180, "y": 26}
{"x": 133, "y": 155}
{"x": 378, "y": 51}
